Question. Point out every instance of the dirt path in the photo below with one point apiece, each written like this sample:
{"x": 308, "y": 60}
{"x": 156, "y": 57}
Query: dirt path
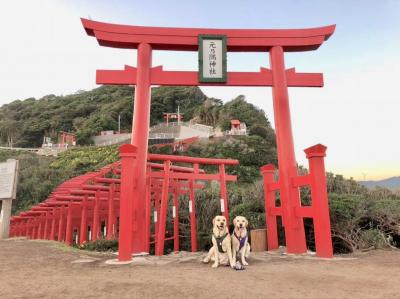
{"x": 35, "y": 269}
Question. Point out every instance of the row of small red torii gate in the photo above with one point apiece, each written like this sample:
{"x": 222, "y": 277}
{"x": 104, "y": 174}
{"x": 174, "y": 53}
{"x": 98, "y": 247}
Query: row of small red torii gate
{"x": 130, "y": 202}
{"x": 89, "y": 207}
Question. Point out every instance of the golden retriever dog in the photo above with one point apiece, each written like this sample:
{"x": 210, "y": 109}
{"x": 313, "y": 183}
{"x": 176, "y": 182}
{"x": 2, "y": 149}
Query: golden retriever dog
{"x": 221, "y": 251}
{"x": 240, "y": 244}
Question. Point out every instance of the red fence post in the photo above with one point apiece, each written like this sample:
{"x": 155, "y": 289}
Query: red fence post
{"x": 68, "y": 233}
{"x": 22, "y": 231}
{"x": 269, "y": 203}
{"x": 156, "y": 214}
{"x": 84, "y": 226}
{"x": 96, "y": 218}
{"x": 319, "y": 195}
{"x": 46, "y": 225}
{"x": 192, "y": 210}
{"x": 61, "y": 229}
{"x": 128, "y": 185}
{"x": 30, "y": 228}
{"x": 148, "y": 209}
{"x": 53, "y": 224}
{"x": 223, "y": 192}
{"x": 24, "y": 228}
{"x": 34, "y": 229}
{"x": 175, "y": 215}
{"x": 162, "y": 221}
{"x": 111, "y": 216}
{"x": 40, "y": 227}
{"x": 15, "y": 228}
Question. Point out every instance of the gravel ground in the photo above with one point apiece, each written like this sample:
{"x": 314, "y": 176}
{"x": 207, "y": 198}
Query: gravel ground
{"x": 43, "y": 269}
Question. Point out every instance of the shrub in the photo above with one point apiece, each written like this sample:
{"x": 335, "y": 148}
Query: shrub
{"x": 100, "y": 245}
{"x": 372, "y": 238}
{"x": 359, "y": 222}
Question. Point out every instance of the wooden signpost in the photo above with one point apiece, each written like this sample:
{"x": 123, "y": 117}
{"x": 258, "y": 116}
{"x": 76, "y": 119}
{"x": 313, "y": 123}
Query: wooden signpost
{"x": 8, "y": 190}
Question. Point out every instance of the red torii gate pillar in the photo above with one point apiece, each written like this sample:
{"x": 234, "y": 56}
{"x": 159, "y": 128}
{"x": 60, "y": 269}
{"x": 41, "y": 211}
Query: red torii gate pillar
{"x": 128, "y": 184}
{"x": 140, "y": 135}
{"x": 294, "y": 228}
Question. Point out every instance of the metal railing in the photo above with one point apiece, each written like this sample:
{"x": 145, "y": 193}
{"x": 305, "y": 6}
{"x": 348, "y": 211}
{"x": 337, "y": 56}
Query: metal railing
{"x": 162, "y": 135}
{"x": 19, "y": 149}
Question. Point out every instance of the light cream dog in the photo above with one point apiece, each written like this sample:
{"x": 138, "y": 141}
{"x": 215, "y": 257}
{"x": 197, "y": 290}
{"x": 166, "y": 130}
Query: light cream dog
{"x": 240, "y": 244}
{"x": 221, "y": 251}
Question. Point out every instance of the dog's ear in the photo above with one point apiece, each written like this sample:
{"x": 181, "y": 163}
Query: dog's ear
{"x": 214, "y": 220}
{"x": 234, "y": 221}
{"x": 247, "y": 222}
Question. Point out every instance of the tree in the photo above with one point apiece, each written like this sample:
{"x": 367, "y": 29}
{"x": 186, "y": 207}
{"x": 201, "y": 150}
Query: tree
{"x": 208, "y": 113}
{"x": 8, "y": 132}
{"x": 238, "y": 108}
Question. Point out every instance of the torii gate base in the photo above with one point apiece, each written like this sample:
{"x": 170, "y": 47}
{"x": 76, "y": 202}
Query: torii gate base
{"x": 293, "y": 213}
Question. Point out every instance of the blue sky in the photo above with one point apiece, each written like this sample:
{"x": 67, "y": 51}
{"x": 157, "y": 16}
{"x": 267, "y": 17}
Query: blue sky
{"x": 45, "y": 50}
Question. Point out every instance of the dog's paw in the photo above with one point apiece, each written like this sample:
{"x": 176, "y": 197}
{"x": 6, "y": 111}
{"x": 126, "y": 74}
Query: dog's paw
{"x": 215, "y": 265}
{"x": 206, "y": 260}
{"x": 245, "y": 263}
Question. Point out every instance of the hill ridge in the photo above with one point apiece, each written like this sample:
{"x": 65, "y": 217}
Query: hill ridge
{"x": 390, "y": 183}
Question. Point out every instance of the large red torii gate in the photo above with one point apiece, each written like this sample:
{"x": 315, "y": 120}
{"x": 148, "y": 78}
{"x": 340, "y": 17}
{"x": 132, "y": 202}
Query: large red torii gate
{"x": 274, "y": 41}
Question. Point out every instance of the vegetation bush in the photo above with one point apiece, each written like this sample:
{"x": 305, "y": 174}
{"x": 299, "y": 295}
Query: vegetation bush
{"x": 36, "y": 179}
{"x": 101, "y": 245}
{"x": 84, "y": 159}
{"x": 359, "y": 222}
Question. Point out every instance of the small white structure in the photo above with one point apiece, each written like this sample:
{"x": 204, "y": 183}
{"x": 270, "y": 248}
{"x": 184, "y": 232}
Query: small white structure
{"x": 47, "y": 142}
{"x": 180, "y": 131}
{"x": 237, "y": 128}
{"x": 107, "y": 133}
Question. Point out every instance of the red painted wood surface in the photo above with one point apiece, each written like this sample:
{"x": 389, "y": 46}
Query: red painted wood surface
{"x": 318, "y": 211}
{"x": 181, "y": 39}
{"x": 88, "y": 200}
{"x": 158, "y": 76}
{"x": 290, "y": 197}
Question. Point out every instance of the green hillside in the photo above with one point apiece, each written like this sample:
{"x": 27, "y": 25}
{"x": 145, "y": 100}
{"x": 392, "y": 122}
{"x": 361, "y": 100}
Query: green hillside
{"x": 23, "y": 123}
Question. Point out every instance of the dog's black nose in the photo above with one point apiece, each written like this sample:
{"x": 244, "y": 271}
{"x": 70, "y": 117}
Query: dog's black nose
{"x": 240, "y": 225}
